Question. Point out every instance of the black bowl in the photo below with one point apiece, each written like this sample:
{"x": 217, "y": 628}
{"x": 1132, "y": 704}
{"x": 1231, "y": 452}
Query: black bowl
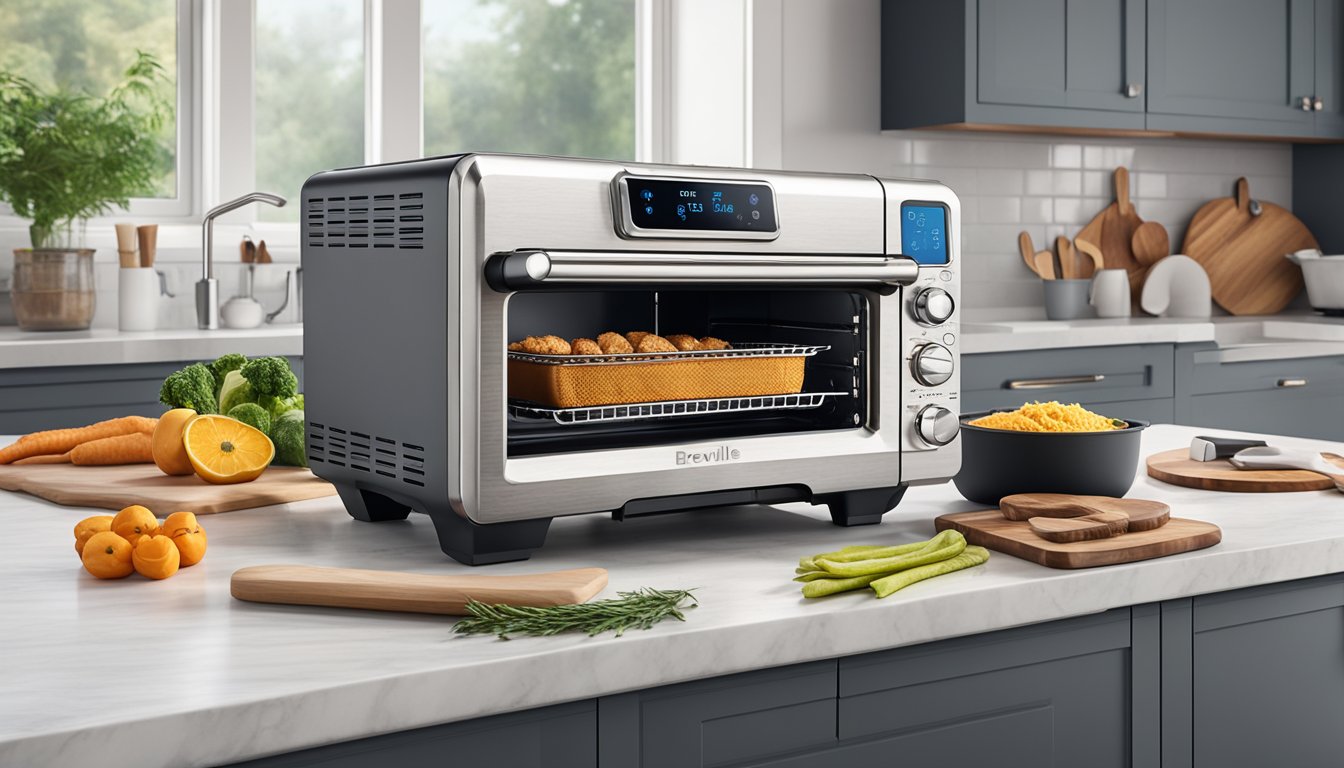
{"x": 997, "y": 463}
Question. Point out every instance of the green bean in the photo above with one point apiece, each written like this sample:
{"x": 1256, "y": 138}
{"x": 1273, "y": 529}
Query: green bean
{"x": 865, "y": 552}
{"x": 884, "y": 586}
{"x": 824, "y": 587}
{"x": 809, "y": 563}
{"x": 947, "y": 544}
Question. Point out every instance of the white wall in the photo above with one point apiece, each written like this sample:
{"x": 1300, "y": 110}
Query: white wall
{"x": 817, "y": 64}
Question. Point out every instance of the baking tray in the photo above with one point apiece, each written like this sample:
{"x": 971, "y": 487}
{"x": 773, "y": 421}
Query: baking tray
{"x": 582, "y": 381}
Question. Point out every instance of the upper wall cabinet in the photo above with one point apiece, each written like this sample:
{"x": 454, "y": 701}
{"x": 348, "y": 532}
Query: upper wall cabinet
{"x": 1235, "y": 67}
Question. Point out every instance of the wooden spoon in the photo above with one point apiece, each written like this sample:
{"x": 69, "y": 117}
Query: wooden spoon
{"x": 1045, "y": 265}
{"x": 1092, "y": 251}
{"x": 1027, "y": 249}
{"x": 1150, "y": 243}
{"x": 1068, "y": 268}
{"x": 1101, "y": 525}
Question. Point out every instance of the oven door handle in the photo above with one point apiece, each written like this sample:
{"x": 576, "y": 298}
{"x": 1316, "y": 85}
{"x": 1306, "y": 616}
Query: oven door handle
{"x": 520, "y": 270}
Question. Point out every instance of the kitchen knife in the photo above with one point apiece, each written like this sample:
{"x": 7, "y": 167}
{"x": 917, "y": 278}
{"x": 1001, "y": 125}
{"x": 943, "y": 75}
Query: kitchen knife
{"x": 1204, "y": 448}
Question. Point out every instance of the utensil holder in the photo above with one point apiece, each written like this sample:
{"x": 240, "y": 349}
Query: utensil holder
{"x": 1067, "y": 299}
{"x": 137, "y": 299}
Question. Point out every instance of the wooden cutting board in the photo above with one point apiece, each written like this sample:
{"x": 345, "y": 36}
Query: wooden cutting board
{"x": 121, "y": 486}
{"x": 1176, "y": 467}
{"x": 413, "y": 592}
{"x": 1244, "y": 253}
{"x": 1141, "y": 513}
{"x": 988, "y": 528}
{"x": 1112, "y": 231}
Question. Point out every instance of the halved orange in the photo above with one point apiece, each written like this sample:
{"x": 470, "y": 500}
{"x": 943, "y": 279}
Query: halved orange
{"x": 223, "y": 450}
{"x": 166, "y": 447}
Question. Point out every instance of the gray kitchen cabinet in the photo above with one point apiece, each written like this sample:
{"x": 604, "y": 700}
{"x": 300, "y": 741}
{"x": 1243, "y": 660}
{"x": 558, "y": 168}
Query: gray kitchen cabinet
{"x": 71, "y": 396}
{"x": 1131, "y": 381}
{"x": 563, "y": 736}
{"x": 1294, "y": 396}
{"x": 1267, "y": 676}
{"x": 1269, "y": 68}
{"x": 1020, "y": 62}
{"x": 1232, "y": 66}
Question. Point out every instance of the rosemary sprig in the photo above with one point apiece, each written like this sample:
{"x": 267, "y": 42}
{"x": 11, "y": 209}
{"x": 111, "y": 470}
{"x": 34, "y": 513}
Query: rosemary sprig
{"x": 640, "y": 609}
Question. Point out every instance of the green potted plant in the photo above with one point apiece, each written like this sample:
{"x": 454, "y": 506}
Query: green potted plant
{"x": 65, "y": 157}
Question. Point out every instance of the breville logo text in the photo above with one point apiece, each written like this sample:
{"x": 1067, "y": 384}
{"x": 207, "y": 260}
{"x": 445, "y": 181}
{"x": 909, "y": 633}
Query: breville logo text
{"x": 720, "y": 453}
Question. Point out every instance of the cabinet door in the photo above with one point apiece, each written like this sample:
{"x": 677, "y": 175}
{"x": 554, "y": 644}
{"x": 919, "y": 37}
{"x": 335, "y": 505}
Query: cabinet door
{"x": 1130, "y": 381}
{"x": 1079, "y": 54}
{"x": 1268, "y": 676}
{"x": 1303, "y": 397}
{"x": 1330, "y": 68}
{"x": 1247, "y": 63}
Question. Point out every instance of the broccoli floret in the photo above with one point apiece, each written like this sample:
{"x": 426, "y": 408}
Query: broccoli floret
{"x": 221, "y": 367}
{"x": 270, "y": 376}
{"x": 279, "y": 406}
{"x": 251, "y": 414}
{"x": 287, "y": 434}
{"x": 192, "y": 387}
{"x": 235, "y": 392}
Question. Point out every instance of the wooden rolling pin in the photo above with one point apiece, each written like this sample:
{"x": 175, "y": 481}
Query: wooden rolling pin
{"x": 412, "y": 592}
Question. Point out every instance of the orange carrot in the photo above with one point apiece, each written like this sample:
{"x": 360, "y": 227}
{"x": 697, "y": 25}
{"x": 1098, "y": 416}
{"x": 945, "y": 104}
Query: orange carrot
{"x": 121, "y": 449}
{"x": 45, "y": 458}
{"x": 61, "y": 440}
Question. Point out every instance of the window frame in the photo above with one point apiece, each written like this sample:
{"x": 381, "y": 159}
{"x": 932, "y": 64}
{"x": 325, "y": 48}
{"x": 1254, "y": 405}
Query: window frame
{"x": 182, "y": 207}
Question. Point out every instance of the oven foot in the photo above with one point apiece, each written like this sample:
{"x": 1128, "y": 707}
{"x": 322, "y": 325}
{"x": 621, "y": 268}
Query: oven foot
{"x": 475, "y": 544}
{"x": 369, "y": 506}
{"x": 862, "y": 507}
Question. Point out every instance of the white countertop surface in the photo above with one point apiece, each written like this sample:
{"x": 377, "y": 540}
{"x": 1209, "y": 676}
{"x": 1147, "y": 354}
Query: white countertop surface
{"x": 1252, "y": 338}
{"x": 105, "y": 346}
{"x": 142, "y": 673}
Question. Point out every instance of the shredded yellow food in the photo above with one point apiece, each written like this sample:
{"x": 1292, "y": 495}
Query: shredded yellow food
{"x": 1049, "y": 417}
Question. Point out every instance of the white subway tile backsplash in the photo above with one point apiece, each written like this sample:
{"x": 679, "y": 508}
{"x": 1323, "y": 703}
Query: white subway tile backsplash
{"x": 1067, "y": 183}
{"x": 1036, "y": 210}
{"x": 999, "y": 210}
{"x": 1066, "y": 156}
{"x": 999, "y": 181}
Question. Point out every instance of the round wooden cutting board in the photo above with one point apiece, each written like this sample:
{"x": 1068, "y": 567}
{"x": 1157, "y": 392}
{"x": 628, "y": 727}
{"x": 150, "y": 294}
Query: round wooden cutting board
{"x": 1176, "y": 467}
{"x": 1244, "y": 252}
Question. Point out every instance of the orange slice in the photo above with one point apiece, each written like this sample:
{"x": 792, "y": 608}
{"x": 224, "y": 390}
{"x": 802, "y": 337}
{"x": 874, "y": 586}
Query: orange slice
{"x": 223, "y": 450}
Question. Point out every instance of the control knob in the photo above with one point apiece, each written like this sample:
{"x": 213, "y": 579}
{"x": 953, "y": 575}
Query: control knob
{"x": 936, "y": 425}
{"x": 932, "y": 364}
{"x": 933, "y": 306}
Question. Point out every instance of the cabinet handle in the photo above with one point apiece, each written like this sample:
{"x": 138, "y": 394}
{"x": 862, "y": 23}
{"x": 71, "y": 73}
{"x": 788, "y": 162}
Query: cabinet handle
{"x": 1133, "y": 90}
{"x": 1317, "y": 104}
{"x": 1305, "y": 103}
{"x": 1290, "y": 383}
{"x": 1062, "y": 381}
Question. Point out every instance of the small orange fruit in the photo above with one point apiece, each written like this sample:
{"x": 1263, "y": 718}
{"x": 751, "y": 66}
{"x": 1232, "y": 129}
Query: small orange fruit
{"x": 155, "y": 557}
{"x": 133, "y": 522}
{"x": 85, "y": 529}
{"x": 187, "y": 534}
{"x": 170, "y": 455}
{"x": 223, "y": 450}
{"x": 107, "y": 556}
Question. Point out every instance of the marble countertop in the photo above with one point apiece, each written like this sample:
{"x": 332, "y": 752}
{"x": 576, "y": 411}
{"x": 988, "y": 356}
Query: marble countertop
{"x": 105, "y": 346}
{"x": 1239, "y": 338}
{"x": 142, "y": 673}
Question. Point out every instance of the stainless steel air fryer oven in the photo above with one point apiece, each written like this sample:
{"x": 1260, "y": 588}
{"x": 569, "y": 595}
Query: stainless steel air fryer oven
{"x": 422, "y": 273}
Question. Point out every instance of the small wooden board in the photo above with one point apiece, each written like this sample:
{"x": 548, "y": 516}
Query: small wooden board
{"x": 121, "y": 486}
{"x": 1142, "y": 514}
{"x": 1176, "y": 467}
{"x": 413, "y": 592}
{"x": 988, "y": 528}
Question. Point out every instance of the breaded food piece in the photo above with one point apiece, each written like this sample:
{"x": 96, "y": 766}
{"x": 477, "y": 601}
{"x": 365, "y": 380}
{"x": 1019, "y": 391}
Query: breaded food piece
{"x": 652, "y": 343}
{"x": 546, "y": 345}
{"x": 585, "y": 347}
{"x": 613, "y": 343}
{"x": 709, "y": 342}
{"x": 634, "y": 337}
{"x": 516, "y": 346}
{"x": 684, "y": 342}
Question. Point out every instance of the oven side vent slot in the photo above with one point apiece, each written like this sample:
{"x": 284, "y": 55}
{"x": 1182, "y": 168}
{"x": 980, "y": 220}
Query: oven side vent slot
{"x": 364, "y": 452}
{"x": 391, "y": 220}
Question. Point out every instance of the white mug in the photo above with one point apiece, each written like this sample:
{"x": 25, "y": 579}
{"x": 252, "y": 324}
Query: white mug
{"x": 137, "y": 299}
{"x": 1110, "y": 293}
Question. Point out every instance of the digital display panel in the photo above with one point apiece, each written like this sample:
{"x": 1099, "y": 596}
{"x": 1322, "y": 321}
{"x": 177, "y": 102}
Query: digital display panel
{"x": 924, "y": 232}
{"x": 712, "y": 206}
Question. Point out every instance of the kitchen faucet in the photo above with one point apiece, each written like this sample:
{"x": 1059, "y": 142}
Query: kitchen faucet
{"x": 207, "y": 288}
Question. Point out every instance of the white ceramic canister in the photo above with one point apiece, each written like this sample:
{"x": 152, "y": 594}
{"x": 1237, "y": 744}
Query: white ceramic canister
{"x": 137, "y": 299}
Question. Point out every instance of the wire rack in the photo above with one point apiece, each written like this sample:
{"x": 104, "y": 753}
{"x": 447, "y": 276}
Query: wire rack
{"x": 610, "y": 413}
{"x": 738, "y": 351}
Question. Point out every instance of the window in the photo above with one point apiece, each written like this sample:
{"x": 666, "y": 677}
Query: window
{"x": 537, "y": 76}
{"x": 85, "y": 45}
{"x": 309, "y": 87}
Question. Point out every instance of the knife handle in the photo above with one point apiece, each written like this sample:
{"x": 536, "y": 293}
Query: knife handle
{"x": 1206, "y": 448}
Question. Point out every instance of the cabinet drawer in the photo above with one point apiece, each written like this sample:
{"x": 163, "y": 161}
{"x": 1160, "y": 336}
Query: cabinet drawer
{"x": 1084, "y": 375}
{"x": 1064, "y": 687}
{"x": 1320, "y": 373}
